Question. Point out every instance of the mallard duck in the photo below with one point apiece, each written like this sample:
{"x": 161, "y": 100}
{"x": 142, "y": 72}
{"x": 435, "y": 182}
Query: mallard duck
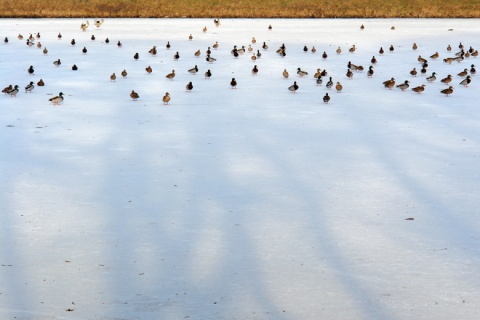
{"x": 29, "y": 87}
{"x": 208, "y": 74}
{"x": 14, "y": 91}
{"x": 215, "y": 45}
{"x": 255, "y": 70}
{"x": 319, "y": 80}
{"x": 448, "y": 60}
{"x": 392, "y": 28}
{"x": 459, "y": 59}
{"x": 84, "y": 25}
{"x": 233, "y": 83}
{"x": 40, "y": 83}
{"x": 352, "y": 49}
{"x": 324, "y": 55}
{"x": 432, "y": 78}
{"x": 31, "y": 70}
{"x": 374, "y": 60}
{"x": 467, "y": 55}
{"x": 136, "y": 56}
{"x": 413, "y": 72}
{"x": 176, "y": 56}
{"x": 216, "y": 22}
{"x": 475, "y": 53}
{"x": 434, "y": 56}
{"x": 370, "y": 72}
{"x": 73, "y": 42}
{"x": 258, "y": 54}
{"x": 57, "y": 62}
{"x": 59, "y": 36}
{"x": 210, "y": 59}
{"x": 414, "y": 47}
{"x": 349, "y": 74}
{"x": 264, "y": 46}
{"x": 403, "y": 86}
{"x": 171, "y": 75}
{"x": 329, "y": 84}
{"x": 471, "y": 50}
{"x": 20, "y": 37}
{"x": 319, "y": 72}
{"x": 285, "y": 73}
{"x": 74, "y": 67}
{"x": 391, "y": 49}
{"x": 389, "y": 83}
{"x": 119, "y": 44}
{"x": 197, "y": 53}
{"x": 98, "y": 22}
{"x": 57, "y": 99}
{"x": 449, "y": 48}
{"x": 45, "y": 51}
{"x": 339, "y": 50}
{"x": 351, "y": 66}
{"x": 362, "y": 27}
{"x": 270, "y": 27}
{"x": 193, "y": 70}
{"x": 39, "y": 45}
{"x": 92, "y": 38}
{"x": 148, "y": 69}
{"x": 315, "y": 50}
{"x": 5, "y": 40}
{"x": 473, "y": 70}
{"x": 208, "y": 51}
{"x": 153, "y": 51}
{"x": 189, "y": 86}
{"x": 460, "y": 53}
{"x": 423, "y": 71}
{"x": 7, "y": 89}
{"x": 447, "y": 91}
{"x": 419, "y": 89}
{"x": 465, "y": 82}
{"x": 339, "y": 87}
{"x": 168, "y": 45}
{"x": 204, "y": 29}
{"x": 84, "y": 50}
{"x": 124, "y": 73}
{"x": 253, "y": 57}
{"x": 460, "y": 45}
{"x": 463, "y": 74}
{"x": 421, "y": 60}
{"x": 447, "y": 80}
{"x": 324, "y": 73}
{"x": 254, "y": 40}
{"x": 305, "y": 49}
{"x": 326, "y": 98}
{"x": 113, "y": 77}
{"x": 381, "y": 51}
{"x": 190, "y": 37}
{"x": 241, "y": 50}
{"x": 134, "y": 95}
{"x": 294, "y": 87}
{"x": 301, "y": 73}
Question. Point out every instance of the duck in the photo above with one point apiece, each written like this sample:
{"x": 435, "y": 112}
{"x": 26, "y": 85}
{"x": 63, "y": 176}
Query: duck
{"x": 193, "y": 70}
{"x": 153, "y": 51}
{"x": 370, "y": 72}
{"x": 233, "y": 83}
{"x": 57, "y": 62}
{"x": 294, "y": 87}
{"x": 449, "y": 48}
{"x": 74, "y": 67}
{"x": 168, "y": 45}
{"x": 339, "y": 50}
{"x": 391, "y": 48}
{"x": 374, "y": 60}
{"x": 434, "y": 56}
{"x": 301, "y": 73}
{"x": 413, "y": 72}
{"x": 5, "y": 40}
{"x": 119, "y": 44}
{"x": 113, "y": 77}
{"x": 447, "y": 91}
{"x": 419, "y": 89}
{"x": 460, "y": 46}
{"x": 392, "y": 28}
{"x": 176, "y": 56}
{"x": 136, "y": 56}
{"x": 339, "y": 87}
{"x": 465, "y": 82}
{"x": 204, "y": 29}
{"x": 324, "y": 55}
{"x": 241, "y": 50}
{"x": 148, "y": 69}
{"x": 448, "y": 60}
{"x": 215, "y": 45}
{"x": 475, "y": 53}
{"x": 463, "y": 74}
{"x": 315, "y": 50}
{"x": 171, "y": 75}
{"x": 31, "y": 37}
{"x": 414, "y": 46}
{"x": 197, "y": 53}
{"x": 29, "y": 87}
{"x": 352, "y": 49}
{"x": 253, "y": 57}
{"x": 124, "y": 73}
{"x": 285, "y": 73}
{"x": 326, "y": 98}
{"x": 39, "y": 45}
{"x": 423, "y": 71}
{"x": 208, "y": 51}
{"x": 45, "y": 51}
{"x": 166, "y": 98}
{"x": 134, "y": 95}
{"x": 107, "y": 40}
{"x": 210, "y": 59}
{"x": 189, "y": 86}
{"x": 98, "y": 22}
{"x": 73, "y": 42}
{"x": 319, "y": 80}
{"x": 324, "y": 73}
{"x": 270, "y": 27}
{"x": 57, "y": 99}
{"x": 216, "y": 22}
{"x": 349, "y": 74}
{"x": 447, "y": 80}
{"x": 471, "y": 50}
{"x": 319, "y": 72}
{"x": 389, "y": 83}
{"x": 31, "y": 70}
{"x": 305, "y": 49}
{"x": 403, "y": 86}
{"x": 13, "y": 92}
{"x": 59, "y": 36}
{"x": 7, "y": 89}
{"x": 258, "y": 54}
{"x": 20, "y": 37}
{"x": 473, "y": 70}
{"x": 254, "y": 40}
{"x": 264, "y": 46}
{"x": 92, "y": 38}
{"x": 432, "y": 78}
{"x": 84, "y": 50}
{"x": 381, "y": 51}
{"x": 190, "y": 37}
{"x": 208, "y": 74}
{"x": 421, "y": 60}
{"x": 40, "y": 83}
{"x": 362, "y": 27}
{"x": 329, "y": 84}
{"x": 255, "y": 70}
{"x": 84, "y": 25}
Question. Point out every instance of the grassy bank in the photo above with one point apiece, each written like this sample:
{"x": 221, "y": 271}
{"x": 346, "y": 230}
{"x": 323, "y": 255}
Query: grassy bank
{"x": 241, "y": 8}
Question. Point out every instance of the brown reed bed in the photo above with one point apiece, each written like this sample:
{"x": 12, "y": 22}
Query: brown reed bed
{"x": 239, "y": 9}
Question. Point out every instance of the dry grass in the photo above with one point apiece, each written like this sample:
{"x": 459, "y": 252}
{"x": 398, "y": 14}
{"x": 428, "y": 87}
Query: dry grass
{"x": 241, "y": 8}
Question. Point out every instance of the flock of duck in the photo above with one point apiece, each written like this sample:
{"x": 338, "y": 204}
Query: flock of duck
{"x": 459, "y": 56}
